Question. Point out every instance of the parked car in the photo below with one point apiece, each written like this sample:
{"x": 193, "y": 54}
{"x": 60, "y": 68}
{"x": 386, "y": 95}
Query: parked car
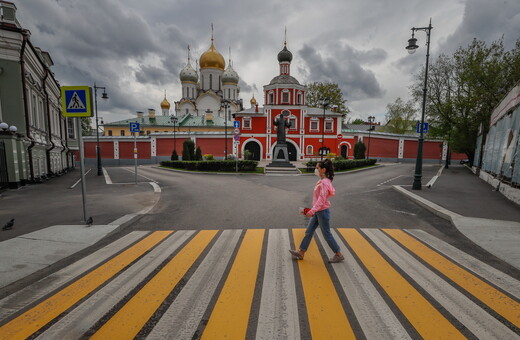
{"x": 464, "y": 161}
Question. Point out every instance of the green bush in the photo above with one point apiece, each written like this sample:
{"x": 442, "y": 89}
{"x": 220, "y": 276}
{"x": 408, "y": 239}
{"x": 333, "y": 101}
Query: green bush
{"x": 359, "y": 150}
{"x": 247, "y": 154}
{"x": 198, "y": 154}
{"x": 188, "y": 150}
{"x": 340, "y": 165}
{"x": 211, "y": 165}
{"x": 209, "y": 157}
{"x": 174, "y": 157}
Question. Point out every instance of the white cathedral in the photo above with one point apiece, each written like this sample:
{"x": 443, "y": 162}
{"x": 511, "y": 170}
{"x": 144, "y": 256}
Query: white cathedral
{"x": 209, "y": 95}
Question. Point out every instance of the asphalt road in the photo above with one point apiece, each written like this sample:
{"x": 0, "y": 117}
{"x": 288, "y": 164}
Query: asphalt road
{"x": 363, "y": 199}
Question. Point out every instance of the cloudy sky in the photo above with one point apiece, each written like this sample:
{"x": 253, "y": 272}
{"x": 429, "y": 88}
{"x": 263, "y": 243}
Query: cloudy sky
{"x": 137, "y": 48}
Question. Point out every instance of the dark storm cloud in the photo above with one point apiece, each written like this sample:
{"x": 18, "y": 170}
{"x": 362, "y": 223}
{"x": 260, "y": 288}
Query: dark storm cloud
{"x": 488, "y": 21}
{"x": 345, "y": 68}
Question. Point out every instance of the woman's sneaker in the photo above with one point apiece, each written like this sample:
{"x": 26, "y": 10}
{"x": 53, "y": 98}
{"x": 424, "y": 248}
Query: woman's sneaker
{"x": 296, "y": 254}
{"x": 336, "y": 258}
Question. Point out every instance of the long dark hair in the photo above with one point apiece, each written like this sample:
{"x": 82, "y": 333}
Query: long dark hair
{"x": 327, "y": 164}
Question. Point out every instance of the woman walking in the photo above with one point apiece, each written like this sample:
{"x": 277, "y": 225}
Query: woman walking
{"x": 320, "y": 213}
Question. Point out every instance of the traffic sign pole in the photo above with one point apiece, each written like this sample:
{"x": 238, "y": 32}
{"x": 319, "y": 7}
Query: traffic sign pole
{"x": 82, "y": 169}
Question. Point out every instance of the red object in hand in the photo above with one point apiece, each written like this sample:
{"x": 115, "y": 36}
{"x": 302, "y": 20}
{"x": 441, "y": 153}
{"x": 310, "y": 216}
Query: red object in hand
{"x": 304, "y": 211}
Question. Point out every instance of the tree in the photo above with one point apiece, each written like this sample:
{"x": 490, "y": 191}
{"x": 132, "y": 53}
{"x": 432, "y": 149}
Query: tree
{"x": 463, "y": 90}
{"x": 198, "y": 154}
{"x": 86, "y": 127}
{"x": 331, "y": 91}
{"x": 175, "y": 156}
{"x": 358, "y": 121}
{"x": 188, "y": 150}
{"x": 359, "y": 150}
{"x": 400, "y": 117}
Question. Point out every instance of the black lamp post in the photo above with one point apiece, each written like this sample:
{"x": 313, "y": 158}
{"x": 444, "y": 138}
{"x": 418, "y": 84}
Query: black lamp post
{"x": 325, "y": 103}
{"x": 98, "y": 150}
{"x": 371, "y": 119}
{"x": 225, "y": 105}
{"x": 412, "y": 46}
{"x": 174, "y": 119}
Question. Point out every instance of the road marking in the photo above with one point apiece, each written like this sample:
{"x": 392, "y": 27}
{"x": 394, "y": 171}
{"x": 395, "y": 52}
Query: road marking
{"x": 37, "y": 290}
{"x": 372, "y": 312}
{"x": 107, "y": 177}
{"x": 156, "y": 187}
{"x": 129, "y": 320}
{"x": 390, "y": 180}
{"x": 79, "y": 180}
{"x": 148, "y": 178}
{"x": 32, "y": 320}
{"x": 467, "y": 312}
{"x": 180, "y": 321}
{"x": 496, "y": 277}
{"x": 85, "y": 316}
{"x": 278, "y": 317}
{"x": 326, "y": 315}
{"x": 429, "y": 322}
{"x": 496, "y": 300}
{"x": 230, "y": 317}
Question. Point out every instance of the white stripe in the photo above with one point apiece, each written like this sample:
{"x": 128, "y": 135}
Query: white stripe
{"x": 148, "y": 178}
{"x": 278, "y": 318}
{"x": 477, "y": 320}
{"x": 496, "y": 277}
{"x": 107, "y": 177}
{"x": 182, "y": 318}
{"x": 83, "y": 317}
{"x": 79, "y": 180}
{"x": 156, "y": 187}
{"x": 373, "y": 314}
{"x": 35, "y": 291}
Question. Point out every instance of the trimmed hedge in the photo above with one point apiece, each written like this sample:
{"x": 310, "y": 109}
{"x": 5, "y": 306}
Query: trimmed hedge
{"x": 345, "y": 164}
{"x": 211, "y": 165}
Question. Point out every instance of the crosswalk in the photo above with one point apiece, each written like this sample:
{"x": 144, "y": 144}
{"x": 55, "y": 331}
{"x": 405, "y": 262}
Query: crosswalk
{"x": 243, "y": 284}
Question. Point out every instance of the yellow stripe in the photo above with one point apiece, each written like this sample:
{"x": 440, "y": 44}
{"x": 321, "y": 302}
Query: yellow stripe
{"x": 37, "y": 317}
{"x": 498, "y": 301}
{"x": 326, "y": 315}
{"x": 230, "y": 316}
{"x": 129, "y": 320}
{"x": 427, "y": 320}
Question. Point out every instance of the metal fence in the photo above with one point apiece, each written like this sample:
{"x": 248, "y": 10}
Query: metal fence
{"x": 501, "y": 153}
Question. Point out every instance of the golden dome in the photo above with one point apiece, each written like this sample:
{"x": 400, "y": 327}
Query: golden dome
{"x": 253, "y": 100}
{"x": 165, "y": 104}
{"x": 212, "y": 58}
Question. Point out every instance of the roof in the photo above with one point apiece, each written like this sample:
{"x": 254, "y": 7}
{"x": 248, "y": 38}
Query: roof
{"x": 284, "y": 79}
{"x": 187, "y": 120}
{"x": 316, "y": 111}
{"x": 359, "y": 127}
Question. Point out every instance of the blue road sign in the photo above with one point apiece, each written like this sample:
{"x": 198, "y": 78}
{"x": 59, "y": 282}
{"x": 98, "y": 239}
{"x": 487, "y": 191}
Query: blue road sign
{"x": 424, "y": 128}
{"x": 236, "y": 124}
{"x": 76, "y": 101}
{"x": 134, "y": 127}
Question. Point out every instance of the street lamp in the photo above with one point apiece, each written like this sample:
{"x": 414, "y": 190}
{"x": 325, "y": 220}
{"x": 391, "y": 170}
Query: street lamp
{"x": 174, "y": 119}
{"x": 98, "y": 150}
{"x": 412, "y": 46}
{"x": 325, "y": 103}
{"x": 371, "y": 119}
{"x": 225, "y": 105}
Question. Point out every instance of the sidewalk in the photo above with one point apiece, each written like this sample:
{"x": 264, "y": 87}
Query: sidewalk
{"x": 49, "y": 223}
{"x": 479, "y": 212}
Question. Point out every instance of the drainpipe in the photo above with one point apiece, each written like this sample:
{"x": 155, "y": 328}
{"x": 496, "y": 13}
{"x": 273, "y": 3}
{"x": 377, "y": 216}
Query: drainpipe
{"x": 26, "y": 109}
{"x": 48, "y": 151}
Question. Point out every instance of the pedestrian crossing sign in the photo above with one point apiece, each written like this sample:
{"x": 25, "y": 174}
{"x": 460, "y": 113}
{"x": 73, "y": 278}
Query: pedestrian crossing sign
{"x": 76, "y": 101}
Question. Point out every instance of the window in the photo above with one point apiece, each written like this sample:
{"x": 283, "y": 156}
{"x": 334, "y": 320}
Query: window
{"x": 34, "y": 112}
{"x": 293, "y": 123}
{"x": 299, "y": 99}
{"x": 271, "y": 98}
{"x": 285, "y": 97}
{"x": 310, "y": 150}
{"x": 328, "y": 126}
{"x": 141, "y": 133}
{"x": 202, "y": 81}
{"x": 187, "y": 111}
{"x": 122, "y": 132}
{"x": 210, "y": 81}
{"x": 148, "y": 132}
{"x": 314, "y": 125}
{"x": 247, "y": 123}
{"x": 229, "y": 93}
{"x": 110, "y": 132}
{"x": 70, "y": 128}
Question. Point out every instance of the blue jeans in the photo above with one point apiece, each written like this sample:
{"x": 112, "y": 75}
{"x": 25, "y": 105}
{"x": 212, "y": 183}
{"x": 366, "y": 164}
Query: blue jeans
{"x": 321, "y": 218}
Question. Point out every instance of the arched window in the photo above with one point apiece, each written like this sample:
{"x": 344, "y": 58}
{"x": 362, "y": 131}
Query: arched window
{"x": 210, "y": 81}
{"x": 271, "y": 98}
